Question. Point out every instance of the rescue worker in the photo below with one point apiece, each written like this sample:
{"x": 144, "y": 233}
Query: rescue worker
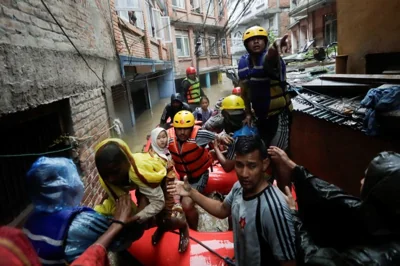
{"x": 177, "y": 104}
{"x": 187, "y": 146}
{"x": 336, "y": 228}
{"x": 216, "y": 121}
{"x": 191, "y": 88}
{"x": 262, "y": 74}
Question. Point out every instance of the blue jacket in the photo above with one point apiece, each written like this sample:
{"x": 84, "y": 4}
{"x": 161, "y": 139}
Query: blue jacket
{"x": 48, "y": 231}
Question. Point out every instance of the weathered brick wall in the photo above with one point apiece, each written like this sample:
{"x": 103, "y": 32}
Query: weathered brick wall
{"x": 284, "y": 3}
{"x": 39, "y": 66}
{"x": 154, "y": 51}
{"x": 90, "y": 124}
{"x": 284, "y": 23}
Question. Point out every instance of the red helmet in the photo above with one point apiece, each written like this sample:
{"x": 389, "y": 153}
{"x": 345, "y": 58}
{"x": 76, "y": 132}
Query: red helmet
{"x": 190, "y": 70}
{"x": 236, "y": 91}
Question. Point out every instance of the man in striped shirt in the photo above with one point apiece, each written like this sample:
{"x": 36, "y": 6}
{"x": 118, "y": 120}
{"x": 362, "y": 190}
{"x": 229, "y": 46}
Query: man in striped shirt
{"x": 262, "y": 222}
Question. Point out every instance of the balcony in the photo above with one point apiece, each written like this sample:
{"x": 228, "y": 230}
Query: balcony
{"x": 306, "y": 6}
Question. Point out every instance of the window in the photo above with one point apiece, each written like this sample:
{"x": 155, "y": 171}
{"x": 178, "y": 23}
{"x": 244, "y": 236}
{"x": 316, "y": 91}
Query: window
{"x": 259, "y": 2}
{"x": 211, "y": 9}
{"x": 150, "y": 24}
{"x": 162, "y": 28}
{"x": 182, "y": 44}
{"x": 201, "y": 47}
{"x": 221, "y": 8}
{"x": 179, "y": 3}
{"x": 223, "y": 45}
{"x": 196, "y": 5}
{"x": 330, "y": 31}
{"x": 130, "y": 11}
{"x": 212, "y": 43}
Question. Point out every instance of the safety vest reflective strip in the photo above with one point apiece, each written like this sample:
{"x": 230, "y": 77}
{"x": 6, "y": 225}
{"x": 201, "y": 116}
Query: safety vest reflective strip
{"x": 193, "y": 93}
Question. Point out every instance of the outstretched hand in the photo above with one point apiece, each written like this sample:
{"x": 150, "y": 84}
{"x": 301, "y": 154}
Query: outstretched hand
{"x": 289, "y": 198}
{"x": 181, "y": 188}
{"x": 123, "y": 210}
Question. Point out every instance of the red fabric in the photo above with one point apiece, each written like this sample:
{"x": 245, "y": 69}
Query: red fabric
{"x": 95, "y": 255}
{"x": 16, "y": 249}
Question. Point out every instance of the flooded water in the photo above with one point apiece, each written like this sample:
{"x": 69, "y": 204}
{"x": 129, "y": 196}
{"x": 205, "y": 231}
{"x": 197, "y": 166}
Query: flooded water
{"x": 136, "y": 137}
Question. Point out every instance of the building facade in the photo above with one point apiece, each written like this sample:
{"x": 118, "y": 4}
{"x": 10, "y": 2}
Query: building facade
{"x": 367, "y": 38}
{"x": 199, "y": 38}
{"x": 143, "y": 36}
{"x": 312, "y": 19}
{"x": 273, "y": 15}
{"x": 53, "y": 97}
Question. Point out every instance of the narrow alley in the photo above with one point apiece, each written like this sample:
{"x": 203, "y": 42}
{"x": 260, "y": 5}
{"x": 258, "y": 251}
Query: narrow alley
{"x": 136, "y": 137}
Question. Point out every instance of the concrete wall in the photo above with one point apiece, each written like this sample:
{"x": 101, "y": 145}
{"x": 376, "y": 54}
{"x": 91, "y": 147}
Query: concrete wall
{"x": 365, "y": 27}
{"x": 40, "y": 66}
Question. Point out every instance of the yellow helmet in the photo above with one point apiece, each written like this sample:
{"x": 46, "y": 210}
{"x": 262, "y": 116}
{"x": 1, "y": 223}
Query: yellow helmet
{"x": 254, "y": 31}
{"x": 184, "y": 119}
{"x": 232, "y": 102}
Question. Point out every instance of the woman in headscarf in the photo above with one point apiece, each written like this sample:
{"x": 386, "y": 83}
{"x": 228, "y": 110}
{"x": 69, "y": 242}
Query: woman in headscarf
{"x": 120, "y": 171}
{"x": 172, "y": 217}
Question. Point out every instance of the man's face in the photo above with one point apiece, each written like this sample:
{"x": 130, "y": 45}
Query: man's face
{"x": 256, "y": 44}
{"x": 176, "y": 104}
{"x": 250, "y": 169}
{"x": 116, "y": 173}
{"x": 192, "y": 76}
{"x": 183, "y": 134}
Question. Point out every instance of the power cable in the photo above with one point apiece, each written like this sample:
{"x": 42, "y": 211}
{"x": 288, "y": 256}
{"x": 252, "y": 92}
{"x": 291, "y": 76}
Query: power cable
{"x": 72, "y": 43}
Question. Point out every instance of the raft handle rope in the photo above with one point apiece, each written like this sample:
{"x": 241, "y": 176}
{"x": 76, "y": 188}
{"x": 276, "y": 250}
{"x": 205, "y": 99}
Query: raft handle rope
{"x": 227, "y": 260}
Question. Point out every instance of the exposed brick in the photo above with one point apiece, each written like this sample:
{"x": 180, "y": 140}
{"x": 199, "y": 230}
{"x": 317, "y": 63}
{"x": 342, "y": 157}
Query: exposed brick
{"x": 25, "y": 7}
{"x": 15, "y": 14}
{"x": 41, "y": 23}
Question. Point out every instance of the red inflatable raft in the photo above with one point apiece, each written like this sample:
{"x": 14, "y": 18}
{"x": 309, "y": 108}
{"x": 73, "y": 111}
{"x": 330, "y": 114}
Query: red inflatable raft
{"x": 166, "y": 251}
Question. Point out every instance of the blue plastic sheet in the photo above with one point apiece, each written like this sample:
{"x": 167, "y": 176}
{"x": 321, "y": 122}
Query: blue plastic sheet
{"x": 88, "y": 226}
{"x": 54, "y": 184}
{"x": 246, "y": 131}
{"x": 376, "y": 101}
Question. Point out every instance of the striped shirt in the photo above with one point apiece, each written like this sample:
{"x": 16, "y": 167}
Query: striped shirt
{"x": 262, "y": 227}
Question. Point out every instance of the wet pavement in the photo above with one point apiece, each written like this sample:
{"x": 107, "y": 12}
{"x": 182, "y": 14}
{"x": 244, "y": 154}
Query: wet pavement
{"x": 136, "y": 137}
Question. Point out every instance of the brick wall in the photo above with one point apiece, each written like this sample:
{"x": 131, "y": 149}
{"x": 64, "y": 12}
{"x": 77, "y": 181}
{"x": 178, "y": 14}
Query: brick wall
{"x": 284, "y": 23}
{"x": 90, "y": 118}
{"x": 39, "y": 66}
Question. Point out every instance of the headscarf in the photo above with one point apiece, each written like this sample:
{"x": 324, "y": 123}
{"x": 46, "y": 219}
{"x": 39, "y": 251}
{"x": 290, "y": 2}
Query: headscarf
{"x": 16, "y": 249}
{"x": 145, "y": 171}
{"x": 153, "y": 136}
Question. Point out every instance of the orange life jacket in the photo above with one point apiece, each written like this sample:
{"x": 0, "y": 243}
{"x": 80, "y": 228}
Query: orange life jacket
{"x": 190, "y": 160}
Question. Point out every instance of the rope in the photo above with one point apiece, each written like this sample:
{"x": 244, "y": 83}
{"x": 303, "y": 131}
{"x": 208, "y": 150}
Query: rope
{"x": 34, "y": 154}
{"x": 227, "y": 260}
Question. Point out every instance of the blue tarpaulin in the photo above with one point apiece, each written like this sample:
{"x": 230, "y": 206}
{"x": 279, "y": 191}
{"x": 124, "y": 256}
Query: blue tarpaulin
{"x": 379, "y": 100}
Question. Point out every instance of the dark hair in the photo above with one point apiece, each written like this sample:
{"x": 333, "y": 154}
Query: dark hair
{"x": 248, "y": 144}
{"x": 109, "y": 153}
{"x": 204, "y": 98}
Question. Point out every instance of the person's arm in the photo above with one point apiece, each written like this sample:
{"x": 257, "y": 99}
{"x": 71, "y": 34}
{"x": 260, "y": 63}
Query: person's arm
{"x": 244, "y": 93}
{"x": 156, "y": 202}
{"x": 278, "y": 227}
{"x": 164, "y": 116}
{"x": 216, "y": 208}
{"x": 96, "y": 254}
{"x": 204, "y": 137}
{"x": 227, "y": 163}
{"x": 185, "y": 87}
{"x": 202, "y": 92}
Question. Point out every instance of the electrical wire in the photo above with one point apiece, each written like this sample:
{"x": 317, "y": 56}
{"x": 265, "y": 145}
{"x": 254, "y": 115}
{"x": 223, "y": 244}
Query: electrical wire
{"x": 72, "y": 43}
{"x": 35, "y": 154}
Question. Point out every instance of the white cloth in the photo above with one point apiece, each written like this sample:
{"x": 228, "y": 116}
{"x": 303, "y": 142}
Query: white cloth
{"x": 163, "y": 153}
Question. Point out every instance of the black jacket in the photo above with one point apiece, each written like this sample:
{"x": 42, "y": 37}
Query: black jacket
{"x": 169, "y": 111}
{"x": 335, "y": 228}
